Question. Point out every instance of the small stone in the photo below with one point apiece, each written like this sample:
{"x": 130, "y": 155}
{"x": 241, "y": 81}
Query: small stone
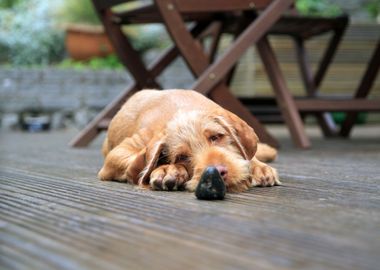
{"x": 211, "y": 185}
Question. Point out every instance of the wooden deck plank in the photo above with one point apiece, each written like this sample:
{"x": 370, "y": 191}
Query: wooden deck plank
{"x": 55, "y": 214}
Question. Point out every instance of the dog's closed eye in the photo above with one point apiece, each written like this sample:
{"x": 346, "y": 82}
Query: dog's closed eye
{"x": 216, "y": 137}
{"x": 182, "y": 158}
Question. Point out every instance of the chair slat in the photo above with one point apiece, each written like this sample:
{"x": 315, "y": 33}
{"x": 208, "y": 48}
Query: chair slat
{"x": 219, "y": 5}
{"x": 149, "y": 14}
{"x": 307, "y": 27}
{"x": 101, "y": 4}
{"x": 330, "y": 105}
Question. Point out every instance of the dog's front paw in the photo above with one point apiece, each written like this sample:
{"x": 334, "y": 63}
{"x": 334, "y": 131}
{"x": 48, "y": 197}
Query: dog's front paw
{"x": 168, "y": 177}
{"x": 264, "y": 176}
{"x": 191, "y": 185}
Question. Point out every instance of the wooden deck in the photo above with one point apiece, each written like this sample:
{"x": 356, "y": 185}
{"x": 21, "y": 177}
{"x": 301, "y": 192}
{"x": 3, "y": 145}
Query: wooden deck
{"x": 55, "y": 214}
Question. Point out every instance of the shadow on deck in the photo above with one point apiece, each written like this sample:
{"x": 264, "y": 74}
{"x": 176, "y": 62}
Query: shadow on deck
{"x": 55, "y": 214}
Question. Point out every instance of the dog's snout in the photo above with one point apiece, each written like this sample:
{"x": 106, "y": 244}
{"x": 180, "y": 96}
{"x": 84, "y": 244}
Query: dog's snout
{"x": 170, "y": 184}
{"x": 222, "y": 171}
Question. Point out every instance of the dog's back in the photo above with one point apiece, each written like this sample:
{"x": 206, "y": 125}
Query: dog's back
{"x": 153, "y": 109}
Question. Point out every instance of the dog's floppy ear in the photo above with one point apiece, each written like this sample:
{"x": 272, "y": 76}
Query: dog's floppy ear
{"x": 246, "y": 137}
{"x": 152, "y": 155}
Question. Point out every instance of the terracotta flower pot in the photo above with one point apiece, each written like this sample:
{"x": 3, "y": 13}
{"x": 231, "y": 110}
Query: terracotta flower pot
{"x": 84, "y": 42}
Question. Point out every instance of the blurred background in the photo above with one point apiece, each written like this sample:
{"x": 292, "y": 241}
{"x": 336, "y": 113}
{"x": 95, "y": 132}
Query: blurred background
{"x": 57, "y": 64}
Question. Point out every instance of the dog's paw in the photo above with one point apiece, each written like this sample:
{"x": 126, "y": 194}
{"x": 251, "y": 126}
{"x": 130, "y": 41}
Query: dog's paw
{"x": 191, "y": 185}
{"x": 105, "y": 174}
{"x": 264, "y": 176}
{"x": 168, "y": 177}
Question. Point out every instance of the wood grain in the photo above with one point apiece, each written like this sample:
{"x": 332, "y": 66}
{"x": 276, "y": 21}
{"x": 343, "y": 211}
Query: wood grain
{"x": 55, "y": 214}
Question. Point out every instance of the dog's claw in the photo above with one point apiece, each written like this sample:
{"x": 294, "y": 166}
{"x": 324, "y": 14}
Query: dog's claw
{"x": 168, "y": 177}
{"x": 265, "y": 176}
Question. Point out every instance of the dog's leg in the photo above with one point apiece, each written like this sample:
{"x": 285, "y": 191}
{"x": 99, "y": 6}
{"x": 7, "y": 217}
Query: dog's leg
{"x": 124, "y": 162}
{"x": 263, "y": 175}
{"x": 168, "y": 177}
{"x": 265, "y": 153}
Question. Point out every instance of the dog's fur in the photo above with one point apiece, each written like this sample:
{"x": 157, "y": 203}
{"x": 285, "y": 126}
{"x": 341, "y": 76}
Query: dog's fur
{"x": 166, "y": 139}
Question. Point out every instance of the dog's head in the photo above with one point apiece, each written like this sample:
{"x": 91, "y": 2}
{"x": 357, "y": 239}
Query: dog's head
{"x": 199, "y": 139}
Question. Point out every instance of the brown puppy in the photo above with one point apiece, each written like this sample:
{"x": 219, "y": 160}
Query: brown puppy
{"x": 165, "y": 140}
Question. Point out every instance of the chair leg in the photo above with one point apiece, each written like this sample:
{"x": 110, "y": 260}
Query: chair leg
{"x": 155, "y": 69}
{"x": 325, "y": 120}
{"x": 214, "y": 31}
{"x": 251, "y": 35}
{"x": 127, "y": 54}
{"x": 227, "y": 100}
{"x": 243, "y": 23}
{"x": 363, "y": 89}
{"x": 92, "y": 129}
{"x": 283, "y": 96}
{"x": 330, "y": 53}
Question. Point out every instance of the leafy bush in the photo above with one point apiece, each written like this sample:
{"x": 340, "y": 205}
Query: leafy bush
{"x": 318, "y": 8}
{"x": 78, "y": 11}
{"x": 373, "y": 8}
{"x": 8, "y": 3}
{"x": 28, "y": 35}
{"x": 109, "y": 62}
{"x": 144, "y": 38}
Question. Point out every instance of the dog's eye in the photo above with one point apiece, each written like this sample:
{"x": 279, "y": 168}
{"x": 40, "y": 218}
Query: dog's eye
{"x": 181, "y": 158}
{"x": 215, "y": 138}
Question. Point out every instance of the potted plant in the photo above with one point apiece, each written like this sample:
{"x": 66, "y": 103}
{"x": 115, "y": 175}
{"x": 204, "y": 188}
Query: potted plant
{"x": 85, "y": 37}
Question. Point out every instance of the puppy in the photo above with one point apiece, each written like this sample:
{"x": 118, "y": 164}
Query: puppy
{"x": 166, "y": 139}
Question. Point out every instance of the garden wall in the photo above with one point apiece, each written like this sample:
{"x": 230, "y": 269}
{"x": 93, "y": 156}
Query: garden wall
{"x": 68, "y": 93}
{"x": 75, "y": 96}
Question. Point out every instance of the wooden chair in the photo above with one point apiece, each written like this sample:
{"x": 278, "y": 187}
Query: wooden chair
{"x": 210, "y": 18}
{"x": 251, "y": 22}
{"x": 301, "y": 29}
{"x": 290, "y": 107}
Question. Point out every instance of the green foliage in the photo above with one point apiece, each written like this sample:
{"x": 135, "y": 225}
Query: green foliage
{"x": 78, "y": 11}
{"x": 340, "y": 117}
{"x": 28, "y": 35}
{"x": 144, "y": 38}
{"x": 8, "y": 3}
{"x": 373, "y": 8}
{"x": 318, "y": 8}
{"x": 109, "y": 62}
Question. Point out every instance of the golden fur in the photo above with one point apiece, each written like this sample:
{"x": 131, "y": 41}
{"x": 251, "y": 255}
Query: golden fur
{"x": 165, "y": 139}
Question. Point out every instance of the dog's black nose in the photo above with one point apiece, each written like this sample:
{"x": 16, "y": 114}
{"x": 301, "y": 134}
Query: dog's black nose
{"x": 211, "y": 185}
{"x": 170, "y": 184}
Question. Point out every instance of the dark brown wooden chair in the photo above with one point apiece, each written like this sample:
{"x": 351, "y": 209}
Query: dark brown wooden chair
{"x": 301, "y": 29}
{"x": 210, "y": 18}
{"x": 251, "y": 21}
